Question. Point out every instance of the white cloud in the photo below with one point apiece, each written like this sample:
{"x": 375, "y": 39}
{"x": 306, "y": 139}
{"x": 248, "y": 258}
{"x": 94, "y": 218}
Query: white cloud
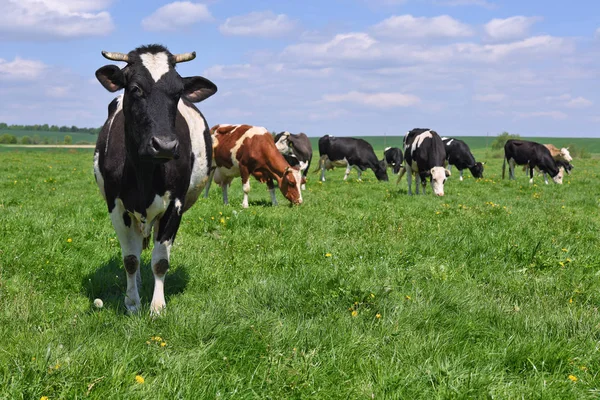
{"x": 378, "y": 100}
{"x": 237, "y": 71}
{"x": 407, "y": 26}
{"x": 579, "y": 102}
{"x": 21, "y": 70}
{"x": 53, "y": 19}
{"x": 490, "y": 98}
{"x": 259, "y": 24}
{"x": 516, "y": 27}
{"x": 555, "y": 115}
{"x": 176, "y": 15}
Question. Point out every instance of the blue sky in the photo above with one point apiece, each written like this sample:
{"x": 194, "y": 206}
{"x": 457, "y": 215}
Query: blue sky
{"x": 341, "y": 67}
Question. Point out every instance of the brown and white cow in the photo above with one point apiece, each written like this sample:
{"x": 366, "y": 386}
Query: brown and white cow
{"x": 561, "y": 154}
{"x": 244, "y": 150}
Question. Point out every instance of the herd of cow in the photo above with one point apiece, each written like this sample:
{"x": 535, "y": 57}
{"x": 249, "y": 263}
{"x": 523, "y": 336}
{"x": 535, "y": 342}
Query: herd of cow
{"x": 155, "y": 154}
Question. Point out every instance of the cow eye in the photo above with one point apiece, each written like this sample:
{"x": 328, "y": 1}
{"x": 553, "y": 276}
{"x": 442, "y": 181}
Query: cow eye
{"x": 135, "y": 90}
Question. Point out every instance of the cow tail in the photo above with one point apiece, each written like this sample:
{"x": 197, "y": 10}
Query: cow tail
{"x": 401, "y": 174}
{"x": 503, "y": 167}
{"x": 319, "y": 165}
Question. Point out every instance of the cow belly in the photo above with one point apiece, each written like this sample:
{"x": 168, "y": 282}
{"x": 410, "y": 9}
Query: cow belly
{"x": 225, "y": 175}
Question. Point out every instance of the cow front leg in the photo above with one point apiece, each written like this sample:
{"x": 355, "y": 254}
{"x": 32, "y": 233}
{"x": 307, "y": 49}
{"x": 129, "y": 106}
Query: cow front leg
{"x": 224, "y": 187}
{"x": 210, "y": 179}
{"x": 271, "y": 187}
{"x": 531, "y": 173}
{"x": 461, "y": 175}
{"x": 348, "y": 168}
{"x": 245, "y": 185}
{"x": 418, "y": 182}
{"x": 165, "y": 230}
{"x": 359, "y": 172}
{"x": 409, "y": 180}
{"x": 511, "y": 169}
{"x": 131, "y": 241}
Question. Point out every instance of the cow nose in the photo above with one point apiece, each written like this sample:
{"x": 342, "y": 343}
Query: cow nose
{"x": 160, "y": 148}
{"x": 440, "y": 194}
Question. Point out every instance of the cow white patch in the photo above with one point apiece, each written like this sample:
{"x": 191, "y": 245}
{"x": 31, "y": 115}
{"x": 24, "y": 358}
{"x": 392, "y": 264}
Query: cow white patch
{"x": 112, "y": 118}
{"x": 157, "y": 64}
{"x": 254, "y": 131}
{"x": 161, "y": 251}
{"x": 438, "y": 177}
{"x": 157, "y": 207}
{"x": 200, "y": 170}
{"x": 419, "y": 140}
{"x": 178, "y": 206}
{"x": 98, "y": 174}
{"x": 564, "y": 152}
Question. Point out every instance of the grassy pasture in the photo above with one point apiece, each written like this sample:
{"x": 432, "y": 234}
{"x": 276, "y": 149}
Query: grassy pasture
{"x": 361, "y": 292}
{"x": 53, "y": 137}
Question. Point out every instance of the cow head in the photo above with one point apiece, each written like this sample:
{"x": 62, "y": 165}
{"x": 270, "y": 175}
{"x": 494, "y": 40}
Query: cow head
{"x": 290, "y": 185}
{"x": 438, "y": 177}
{"x": 558, "y": 178}
{"x": 283, "y": 144}
{"x": 477, "y": 170}
{"x": 381, "y": 171}
{"x": 153, "y": 89}
{"x": 564, "y": 153}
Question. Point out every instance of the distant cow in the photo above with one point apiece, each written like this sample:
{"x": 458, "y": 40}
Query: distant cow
{"x": 459, "y": 154}
{"x": 357, "y": 153}
{"x": 424, "y": 155}
{"x": 521, "y": 152}
{"x": 152, "y": 157}
{"x": 244, "y": 150}
{"x": 561, "y": 154}
{"x": 393, "y": 157}
{"x": 296, "y": 149}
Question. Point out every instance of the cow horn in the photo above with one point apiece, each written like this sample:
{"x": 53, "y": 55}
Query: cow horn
{"x": 184, "y": 57}
{"x": 115, "y": 56}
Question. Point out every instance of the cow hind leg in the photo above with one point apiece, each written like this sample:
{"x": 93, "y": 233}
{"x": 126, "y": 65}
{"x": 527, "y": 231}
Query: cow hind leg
{"x": 224, "y": 187}
{"x": 531, "y": 174}
{"x": 461, "y": 175}
{"x": 511, "y": 169}
{"x": 418, "y": 183}
{"x": 359, "y": 172}
{"x": 131, "y": 241}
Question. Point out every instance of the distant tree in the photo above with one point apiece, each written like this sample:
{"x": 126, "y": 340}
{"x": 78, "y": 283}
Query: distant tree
{"x": 46, "y": 140}
{"x": 36, "y": 139}
{"x": 25, "y": 140}
{"x": 68, "y": 139}
{"x": 501, "y": 139}
{"x": 54, "y": 128}
{"x": 7, "y": 138}
{"x": 45, "y": 128}
{"x": 3, "y": 125}
{"x": 64, "y": 129}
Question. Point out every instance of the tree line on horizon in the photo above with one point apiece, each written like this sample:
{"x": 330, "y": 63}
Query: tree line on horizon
{"x": 48, "y": 128}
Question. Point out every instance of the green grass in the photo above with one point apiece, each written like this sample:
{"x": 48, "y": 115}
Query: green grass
{"x": 489, "y": 292}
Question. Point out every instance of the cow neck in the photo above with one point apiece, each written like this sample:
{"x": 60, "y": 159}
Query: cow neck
{"x": 141, "y": 181}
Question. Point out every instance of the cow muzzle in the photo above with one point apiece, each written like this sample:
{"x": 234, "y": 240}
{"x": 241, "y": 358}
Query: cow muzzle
{"x": 162, "y": 149}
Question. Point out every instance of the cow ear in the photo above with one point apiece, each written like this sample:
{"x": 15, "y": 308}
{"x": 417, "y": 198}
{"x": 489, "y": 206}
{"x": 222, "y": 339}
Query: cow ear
{"x": 447, "y": 171}
{"x": 111, "y": 77}
{"x": 197, "y": 88}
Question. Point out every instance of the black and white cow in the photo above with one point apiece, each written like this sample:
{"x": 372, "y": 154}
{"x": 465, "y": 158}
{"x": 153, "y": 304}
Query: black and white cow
{"x": 357, "y": 153}
{"x": 296, "y": 150}
{"x": 152, "y": 157}
{"x": 393, "y": 156}
{"x": 459, "y": 154}
{"x": 532, "y": 154}
{"x": 424, "y": 155}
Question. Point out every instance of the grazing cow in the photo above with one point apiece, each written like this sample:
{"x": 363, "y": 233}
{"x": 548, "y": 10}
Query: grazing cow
{"x": 356, "y": 153}
{"x": 521, "y": 152}
{"x": 424, "y": 156}
{"x": 561, "y": 154}
{"x": 152, "y": 157}
{"x": 297, "y": 151}
{"x": 393, "y": 156}
{"x": 459, "y": 154}
{"x": 244, "y": 150}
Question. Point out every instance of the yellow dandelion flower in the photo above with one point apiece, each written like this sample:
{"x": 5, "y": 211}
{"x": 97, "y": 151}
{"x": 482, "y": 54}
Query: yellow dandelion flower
{"x": 568, "y": 260}
{"x": 583, "y": 368}
{"x": 222, "y": 220}
{"x": 565, "y": 250}
{"x": 372, "y": 296}
{"x": 378, "y": 316}
{"x": 571, "y": 300}
{"x": 163, "y": 344}
{"x": 212, "y": 218}
{"x": 328, "y": 255}
{"x": 69, "y": 240}
{"x": 407, "y": 297}
{"x": 354, "y": 313}
{"x": 573, "y": 378}
{"x": 44, "y": 398}
{"x": 562, "y": 264}
{"x": 139, "y": 379}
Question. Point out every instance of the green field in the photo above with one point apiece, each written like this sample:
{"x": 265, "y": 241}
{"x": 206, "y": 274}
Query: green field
{"x": 53, "y": 137}
{"x": 362, "y": 292}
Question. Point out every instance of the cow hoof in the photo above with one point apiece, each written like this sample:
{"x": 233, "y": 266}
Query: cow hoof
{"x": 132, "y": 308}
{"x": 157, "y": 308}
{"x": 303, "y": 187}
